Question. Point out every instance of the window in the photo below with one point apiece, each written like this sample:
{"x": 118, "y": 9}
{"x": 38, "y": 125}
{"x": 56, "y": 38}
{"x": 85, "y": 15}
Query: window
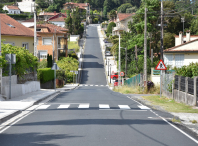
{"x": 10, "y": 25}
{"x": 25, "y": 45}
{"x": 38, "y": 29}
{"x": 179, "y": 60}
{"x": 168, "y": 59}
{"x": 43, "y": 55}
{"x": 47, "y": 41}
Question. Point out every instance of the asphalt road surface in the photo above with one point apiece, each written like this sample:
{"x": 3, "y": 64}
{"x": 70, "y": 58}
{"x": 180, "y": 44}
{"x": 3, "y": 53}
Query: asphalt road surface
{"x": 93, "y": 115}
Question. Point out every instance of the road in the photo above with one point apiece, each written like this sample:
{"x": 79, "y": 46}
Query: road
{"x": 93, "y": 115}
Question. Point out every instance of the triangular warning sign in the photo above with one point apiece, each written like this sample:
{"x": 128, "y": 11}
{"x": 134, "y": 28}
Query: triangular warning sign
{"x": 161, "y": 66}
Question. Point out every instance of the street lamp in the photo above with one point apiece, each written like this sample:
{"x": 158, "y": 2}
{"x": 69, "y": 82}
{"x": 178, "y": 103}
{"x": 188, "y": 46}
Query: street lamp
{"x": 183, "y": 20}
{"x": 110, "y": 73}
{"x": 108, "y": 67}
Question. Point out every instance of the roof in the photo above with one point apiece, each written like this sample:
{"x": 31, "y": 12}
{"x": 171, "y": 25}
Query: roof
{"x": 59, "y": 19}
{"x": 47, "y": 13}
{"x": 57, "y": 15}
{"x": 13, "y": 7}
{"x": 11, "y": 27}
{"x": 173, "y": 49}
{"x": 123, "y": 16}
{"x": 51, "y": 28}
{"x": 32, "y": 20}
{"x": 185, "y": 36}
{"x": 80, "y": 5}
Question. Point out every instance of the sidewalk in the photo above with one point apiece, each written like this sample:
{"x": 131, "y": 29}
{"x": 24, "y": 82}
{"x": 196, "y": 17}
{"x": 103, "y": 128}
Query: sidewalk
{"x": 12, "y": 107}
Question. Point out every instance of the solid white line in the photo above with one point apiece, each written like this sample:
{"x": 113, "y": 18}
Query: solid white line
{"x": 176, "y": 128}
{"x": 63, "y": 106}
{"x": 42, "y": 107}
{"x": 124, "y": 107}
{"x": 143, "y": 107}
{"x": 83, "y": 106}
{"x": 104, "y": 106}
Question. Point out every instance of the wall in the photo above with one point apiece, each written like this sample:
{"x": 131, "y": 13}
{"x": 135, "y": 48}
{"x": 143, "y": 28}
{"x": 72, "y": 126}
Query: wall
{"x": 155, "y": 78}
{"x": 177, "y": 42}
{"x": 74, "y": 38}
{"x": 61, "y": 24}
{"x": 18, "y": 89}
{"x": 18, "y": 41}
{"x": 27, "y": 24}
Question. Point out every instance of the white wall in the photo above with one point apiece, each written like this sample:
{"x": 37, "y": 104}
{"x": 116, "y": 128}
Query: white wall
{"x": 11, "y": 11}
{"x": 26, "y": 6}
{"x": 27, "y": 24}
{"x": 74, "y": 38}
{"x": 61, "y": 24}
{"x": 177, "y": 42}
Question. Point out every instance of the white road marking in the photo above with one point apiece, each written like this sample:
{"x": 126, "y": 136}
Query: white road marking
{"x": 101, "y": 85}
{"x": 86, "y": 85}
{"x": 83, "y": 106}
{"x": 107, "y": 85}
{"x": 104, "y": 106}
{"x": 91, "y": 85}
{"x": 143, "y": 107}
{"x": 96, "y": 85}
{"x": 81, "y": 85}
{"x": 64, "y": 106}
{"x": 43, "y": 107}
{"x": 124, "y": 107}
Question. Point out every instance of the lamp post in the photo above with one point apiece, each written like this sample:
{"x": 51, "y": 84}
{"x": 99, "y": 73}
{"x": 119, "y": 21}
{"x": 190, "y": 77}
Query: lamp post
{"x": 108, "y": 67}
{"x": 110, "y": 73}
{"x": 183, "y": 20}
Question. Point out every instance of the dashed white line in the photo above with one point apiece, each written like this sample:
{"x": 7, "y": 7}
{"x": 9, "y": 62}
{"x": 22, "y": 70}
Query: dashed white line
{"x": 63, "y": 106}
{"x": 124, "y": 107}
{"x": 104, "y": 106}
{"x": 83, "y": 106}
{"x": 143, "y": 107}
{"x": 43, "y": 107}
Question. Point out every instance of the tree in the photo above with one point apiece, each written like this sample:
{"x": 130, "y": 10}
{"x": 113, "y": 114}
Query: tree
{"x": 112, "y": 14}
{"x": 76, "y": 21}
{"x": 43, "y": 4}
{"x": 68, "y": 24}
{"x": 124, "y": 7}
{"x": 110, "y": 26}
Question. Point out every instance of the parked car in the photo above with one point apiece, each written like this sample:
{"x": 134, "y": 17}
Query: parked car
{"x": 114, "y": 76}
{"x": 116, "y": 82}
{"x": 108, "y": 53}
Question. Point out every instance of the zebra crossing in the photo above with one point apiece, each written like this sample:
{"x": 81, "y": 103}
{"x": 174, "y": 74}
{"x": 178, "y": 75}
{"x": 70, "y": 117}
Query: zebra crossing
{"x": 87, "y": 106}
{"x": 86, "y": 85}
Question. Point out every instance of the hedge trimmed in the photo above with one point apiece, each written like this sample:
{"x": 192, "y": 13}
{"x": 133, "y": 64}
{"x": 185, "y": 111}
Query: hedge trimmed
{"x": 45, "y": 74}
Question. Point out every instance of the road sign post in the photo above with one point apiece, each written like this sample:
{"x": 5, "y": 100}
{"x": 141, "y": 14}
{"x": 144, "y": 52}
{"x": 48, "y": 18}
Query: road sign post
{"x": 122, "y": 74}
{"x": 161, "y": 66}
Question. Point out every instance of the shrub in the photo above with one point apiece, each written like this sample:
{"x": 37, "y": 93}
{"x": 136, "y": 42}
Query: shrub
{"x": 45, "y": 75}
{"x": 150, "y": 85}
{"x": 110, "y": 26}
{"x": 73, "y": 55}
{"x": 60, "y": 74}
{"x": 42, "y": 64}
{"x": 49, "y": 60}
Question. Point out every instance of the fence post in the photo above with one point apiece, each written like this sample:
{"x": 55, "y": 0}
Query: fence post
{"x": 173, "y": 85}
{"x": 186, "y": 89}
{"x": 136, "y": 80}
{"x": 179, "y": 81}
{"x": 195, "y": 91}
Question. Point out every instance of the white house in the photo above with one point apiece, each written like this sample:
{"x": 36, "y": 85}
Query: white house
{"x": 12, "y": 9}
{"x": 26, "y": 5}
{"x": 185, "y": 51}
{"x": 122, "y": 22}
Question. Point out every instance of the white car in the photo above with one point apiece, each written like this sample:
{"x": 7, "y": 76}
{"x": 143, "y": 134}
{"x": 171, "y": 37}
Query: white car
{"x": 107, "y": 53}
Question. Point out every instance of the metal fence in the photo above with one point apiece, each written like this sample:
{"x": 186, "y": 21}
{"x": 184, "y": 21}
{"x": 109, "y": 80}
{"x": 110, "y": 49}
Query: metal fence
{"x": 190, "y": 86}
{"x": 176, "y": 82}
{"x": 182, "y": 84}
{"x": 134, "y": 81}
{"x": 167, "y": 80}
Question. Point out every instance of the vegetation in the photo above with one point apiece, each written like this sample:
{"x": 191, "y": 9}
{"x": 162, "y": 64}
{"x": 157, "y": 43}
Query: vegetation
{"x": 42, "y": 64}
{"x": 24, "y": 59}
{"x": 67, "y": 64}
{"x": 170, "y": 105}
{"x": 73, "y": 45}
{"x": 49, "y": 61}
{"x": 110, "y": 26}
{"x": 45, "y": 74}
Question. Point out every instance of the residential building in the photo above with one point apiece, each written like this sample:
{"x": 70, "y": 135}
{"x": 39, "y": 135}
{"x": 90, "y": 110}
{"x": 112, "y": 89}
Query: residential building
{"x": 58, "y": 19}
{"x": 12, "y": 9}
{"x": 185, "y": 51}
{"x": 71, "y": 6}
{"x": 27, "y": 5}
{"x": 14, "y": 33}
{"x": 46, "y": 15}
{"x": 52, "y": 38}
{"x": 122, "y": 23}
{"x": 29, "y": 22}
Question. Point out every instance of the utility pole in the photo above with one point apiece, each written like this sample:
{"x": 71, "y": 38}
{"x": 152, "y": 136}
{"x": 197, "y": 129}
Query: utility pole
{"x": 162, "y": 32}
{"x": 0, "y": 55}
{"x": 136, "y": 58}
{"x": 35, "y": 36}
{"x": 145, "y": 48}
{"x": 126, "y": 62}
{"x": 119, "y": 64}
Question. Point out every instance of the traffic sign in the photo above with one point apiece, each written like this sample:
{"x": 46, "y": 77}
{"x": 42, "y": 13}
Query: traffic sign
{"x": 112, "y": 72}
{"x": 161, "y": 66}
{"x": 55, "y": 67}
{"x": 122, "y": 74}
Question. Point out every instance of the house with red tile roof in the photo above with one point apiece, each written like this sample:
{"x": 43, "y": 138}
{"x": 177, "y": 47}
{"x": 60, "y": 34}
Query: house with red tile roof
{"x": 51, "y": 35}
{"x": 184, "y": 52}
{"x": 16, "y": 34}
{"x": 11, "y": 9}
{"x": 122, "y": 22}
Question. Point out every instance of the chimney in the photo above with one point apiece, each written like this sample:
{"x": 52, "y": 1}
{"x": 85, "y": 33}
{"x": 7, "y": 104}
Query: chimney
{"x": 187, "y": 35}
{"x": 54, "y": 12}
{"x": 180, "y": 38}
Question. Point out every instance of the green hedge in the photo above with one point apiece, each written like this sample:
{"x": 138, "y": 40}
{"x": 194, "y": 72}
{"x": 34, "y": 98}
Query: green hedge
{"x": 45, "y": 74}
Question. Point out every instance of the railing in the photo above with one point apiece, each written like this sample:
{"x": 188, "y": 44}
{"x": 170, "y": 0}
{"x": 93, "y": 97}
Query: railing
{"x": 134, "y": 81}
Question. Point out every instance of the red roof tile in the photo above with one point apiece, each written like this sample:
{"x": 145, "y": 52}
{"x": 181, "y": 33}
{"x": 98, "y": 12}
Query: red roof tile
{"x": 17, "y": 29}
{"x": 51, "y": 28}
{"x": 123, "y": 16}
{"x": 13, "y": 7}
{"x": 57, "y": 15}
{"x": 47, "y": 13}
{"x": 59, "y": 19}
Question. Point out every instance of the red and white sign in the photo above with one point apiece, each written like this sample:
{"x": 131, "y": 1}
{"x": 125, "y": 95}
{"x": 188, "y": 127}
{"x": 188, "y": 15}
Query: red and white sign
{"x": 122, "y": 74}
{"x": 112, "y": 72}
{"x": 161, "y": 66}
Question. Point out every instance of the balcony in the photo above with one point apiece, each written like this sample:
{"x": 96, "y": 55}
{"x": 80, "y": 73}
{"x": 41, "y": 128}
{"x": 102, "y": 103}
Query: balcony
{"x": 119, "y": 28}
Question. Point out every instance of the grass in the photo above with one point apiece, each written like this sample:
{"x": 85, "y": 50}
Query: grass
{"x": 136, "y": 90}
{"x": 170, "y": 104}
{"x": 175, "y": 120}
{"x": 73, "y": 45}
{"x": 194, "y": 121}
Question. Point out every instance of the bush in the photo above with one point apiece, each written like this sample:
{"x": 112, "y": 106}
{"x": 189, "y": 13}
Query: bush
{"x": 95, "y": 20}
{"x": 150, "y": 85}
{"x": 60, "y": 74}
{"x": 45, "y": 74}
{"x": 110, "y": 26}
{"x": 73, "y": 55}
{"x": 42, "y": 64}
